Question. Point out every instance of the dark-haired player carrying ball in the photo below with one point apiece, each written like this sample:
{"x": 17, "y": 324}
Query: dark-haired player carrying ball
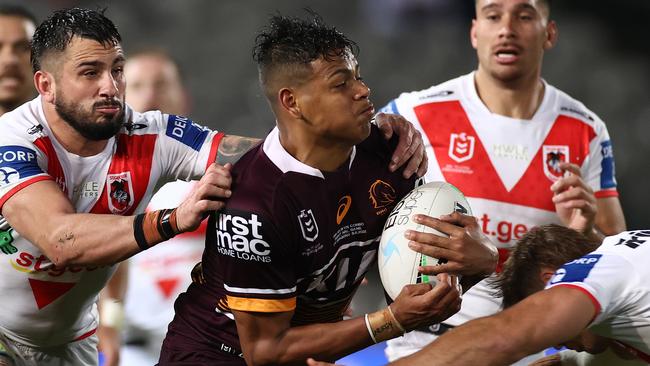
{"x": 285, "y": 256}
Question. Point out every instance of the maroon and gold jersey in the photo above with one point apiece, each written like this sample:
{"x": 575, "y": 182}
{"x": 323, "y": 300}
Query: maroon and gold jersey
{"x": 291, "y": 238}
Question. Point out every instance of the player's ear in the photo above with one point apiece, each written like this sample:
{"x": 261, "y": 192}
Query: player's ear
{"x": 472, "y": 34}
{"x": 288, "y": 102}
{"x": 551, "y": 35}
{"x": 45, "y": 85}
{"x": 546, "y": 274}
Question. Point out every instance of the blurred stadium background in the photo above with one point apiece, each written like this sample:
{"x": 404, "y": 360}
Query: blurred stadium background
{"x": 602, "y": 59}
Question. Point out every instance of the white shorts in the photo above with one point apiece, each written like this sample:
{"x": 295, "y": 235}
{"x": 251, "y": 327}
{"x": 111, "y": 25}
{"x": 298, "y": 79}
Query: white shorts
{"x": 479, "y": 301}
{"x": 78, "y": 353}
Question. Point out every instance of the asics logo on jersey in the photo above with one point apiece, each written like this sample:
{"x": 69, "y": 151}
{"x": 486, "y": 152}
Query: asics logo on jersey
{"x": 381, "y": 196}
{"x": 344, "y": 205}
{"x": 241, "y": 237}
{"x": 461, "y": 146}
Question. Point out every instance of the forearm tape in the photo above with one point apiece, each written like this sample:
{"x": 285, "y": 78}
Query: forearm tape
{"x": 151, "y": 228}
{"x": 382, "y": 325}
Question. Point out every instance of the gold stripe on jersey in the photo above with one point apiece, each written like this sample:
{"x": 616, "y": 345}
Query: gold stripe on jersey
{"x": 261, "y": 305}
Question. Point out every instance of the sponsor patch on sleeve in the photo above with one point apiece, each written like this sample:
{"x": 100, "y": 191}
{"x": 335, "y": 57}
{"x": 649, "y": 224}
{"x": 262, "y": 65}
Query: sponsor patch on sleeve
{"x": 576, "y": 270}
{"x": 390, "y": 108}
{"x": 16, "y": 163}
{"x": 607, "y": 175}
{"x": 187, "y": 132}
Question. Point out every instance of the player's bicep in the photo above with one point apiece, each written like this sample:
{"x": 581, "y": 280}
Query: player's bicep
{"x": 35, "y": 211}
{"x": 261, "y": 333}
{"x": 610, "y": 219}
{"x": 231, "y": 148}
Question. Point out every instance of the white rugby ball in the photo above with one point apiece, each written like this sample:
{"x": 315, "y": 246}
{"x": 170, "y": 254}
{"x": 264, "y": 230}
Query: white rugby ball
{"x": 398, "y": 264}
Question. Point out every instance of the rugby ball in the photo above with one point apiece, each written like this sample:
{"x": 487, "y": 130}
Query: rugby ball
{"x": 398, "y": 264}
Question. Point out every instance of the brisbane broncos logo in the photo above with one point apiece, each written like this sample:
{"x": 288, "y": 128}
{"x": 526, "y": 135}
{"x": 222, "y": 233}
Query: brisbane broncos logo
{"x": 381, "y": 196}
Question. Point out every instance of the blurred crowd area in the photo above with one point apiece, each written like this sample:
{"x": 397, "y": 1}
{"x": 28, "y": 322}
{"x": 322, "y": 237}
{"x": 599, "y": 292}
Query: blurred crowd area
{"x": 602, "y": 59}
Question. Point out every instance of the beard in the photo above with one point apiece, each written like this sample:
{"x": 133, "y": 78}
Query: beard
{"x": 82, "y": 121}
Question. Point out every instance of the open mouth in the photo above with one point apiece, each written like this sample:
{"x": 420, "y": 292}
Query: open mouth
{"x": 507, "y": 55}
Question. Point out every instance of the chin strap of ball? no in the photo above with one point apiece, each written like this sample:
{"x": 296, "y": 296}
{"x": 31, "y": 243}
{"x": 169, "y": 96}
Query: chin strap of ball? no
{"x": 382, "y": 325}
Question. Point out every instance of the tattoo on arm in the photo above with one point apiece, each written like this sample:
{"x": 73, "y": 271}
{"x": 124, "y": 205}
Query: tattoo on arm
{"x": 231, "y": 148}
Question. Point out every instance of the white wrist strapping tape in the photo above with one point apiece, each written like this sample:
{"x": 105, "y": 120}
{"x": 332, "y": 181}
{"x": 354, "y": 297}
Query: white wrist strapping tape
{"x": 111, "y": 313}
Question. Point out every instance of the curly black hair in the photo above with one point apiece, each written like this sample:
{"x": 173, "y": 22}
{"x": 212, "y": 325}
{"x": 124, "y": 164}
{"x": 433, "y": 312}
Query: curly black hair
{"x": 56, "y": 32}
{"x": 543, "y": 246}
{"x": 291, "y": 42}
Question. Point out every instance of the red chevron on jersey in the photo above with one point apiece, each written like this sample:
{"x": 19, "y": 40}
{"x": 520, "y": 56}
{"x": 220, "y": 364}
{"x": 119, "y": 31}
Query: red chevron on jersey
{"x": 45, "y": 292}
{"x": 128, "y": 175}
{"x": 465, "y": 163}
{"x": 54, "y": 168}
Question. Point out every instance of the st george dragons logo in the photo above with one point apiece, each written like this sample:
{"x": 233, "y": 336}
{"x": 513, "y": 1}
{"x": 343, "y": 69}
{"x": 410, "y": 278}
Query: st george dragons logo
{"x": 553, "y": 155}
{"x": 381, "y": 195}
{"x": 120, "y": 192}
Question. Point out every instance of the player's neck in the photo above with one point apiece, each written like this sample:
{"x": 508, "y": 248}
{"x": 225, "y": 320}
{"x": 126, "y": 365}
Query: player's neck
{"x": 68, "y": 137}
{"x": 325, "y": 156}
{"x": 517, "y": 99}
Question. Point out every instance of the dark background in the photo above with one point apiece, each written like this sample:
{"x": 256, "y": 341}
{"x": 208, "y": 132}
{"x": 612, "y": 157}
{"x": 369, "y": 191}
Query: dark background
{"x": 601, "y": 59}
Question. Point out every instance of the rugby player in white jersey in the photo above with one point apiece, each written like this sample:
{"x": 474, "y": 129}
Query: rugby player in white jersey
{"x": 594, "y": 302}
{"x": 523, "y": 152}
{"x": 605, "y": 291}
{"x": 76, "y": 164}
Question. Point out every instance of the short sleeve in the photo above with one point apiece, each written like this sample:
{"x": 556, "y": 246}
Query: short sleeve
{"x": 256, "y": 261}
{"x": 20, "y": 166}
{"x": 602, "y": 277}
{"x": 185, "y": 148}
{"x": 599, "y": 172}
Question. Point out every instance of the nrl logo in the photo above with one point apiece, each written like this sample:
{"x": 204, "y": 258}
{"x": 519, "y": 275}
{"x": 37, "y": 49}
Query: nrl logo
{"x": 120, "y": 194}
{"x": 553, "y": 155}
{"x": 461, "y": 147}
{"x": 308, "y": 225}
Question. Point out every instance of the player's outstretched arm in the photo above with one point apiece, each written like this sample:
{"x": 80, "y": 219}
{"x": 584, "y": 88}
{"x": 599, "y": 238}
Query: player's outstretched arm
{"x": 542, "y": 320}
{"x": 268, "y": 339}
{"x": 43, "y": 215}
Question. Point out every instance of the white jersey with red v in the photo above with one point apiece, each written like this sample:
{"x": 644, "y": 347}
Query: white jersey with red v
{"x": 45, "y": 305}
{"x": 505, "y": 166}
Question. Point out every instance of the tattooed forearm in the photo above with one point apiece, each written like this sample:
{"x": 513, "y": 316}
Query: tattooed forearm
{"x": 231, "y": 148}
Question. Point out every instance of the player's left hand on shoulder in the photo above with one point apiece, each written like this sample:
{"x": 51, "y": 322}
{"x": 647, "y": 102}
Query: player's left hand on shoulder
{"x": 467, "y": 250}
{"x": 575, "y": 202}
{"x": 410, "y": 148}
{"x": 208, "y": 195}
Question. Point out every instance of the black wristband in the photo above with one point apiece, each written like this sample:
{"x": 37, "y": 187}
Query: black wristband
{"x": 138, "y": 232}
{"x": 164, "y": 224}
